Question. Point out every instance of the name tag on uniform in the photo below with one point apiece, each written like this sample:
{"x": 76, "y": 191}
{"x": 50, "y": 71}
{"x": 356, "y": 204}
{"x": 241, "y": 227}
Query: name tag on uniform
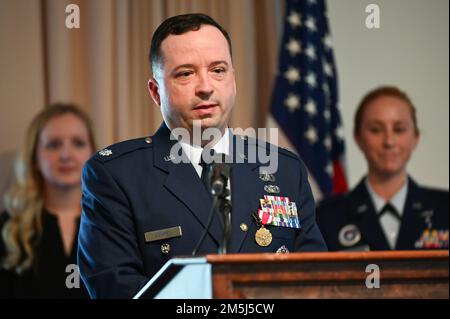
{"x": 161, "y": 234}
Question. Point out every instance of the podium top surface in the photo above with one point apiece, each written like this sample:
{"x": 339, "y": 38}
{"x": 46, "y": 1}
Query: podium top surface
{"x": 328, "y": 256}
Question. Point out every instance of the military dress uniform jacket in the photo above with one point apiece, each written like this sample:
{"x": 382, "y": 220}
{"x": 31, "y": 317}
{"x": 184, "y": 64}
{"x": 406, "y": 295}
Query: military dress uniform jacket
{"x": 134, "y": 187}
{"x": 349, "y": 222}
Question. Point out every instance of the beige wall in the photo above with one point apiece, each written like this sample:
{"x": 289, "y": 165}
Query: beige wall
{"x": 22, "y": 92}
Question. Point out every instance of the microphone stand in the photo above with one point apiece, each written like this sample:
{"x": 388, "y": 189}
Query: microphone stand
{"x": 222, "y": 204}
{"x": 219, "y": 175}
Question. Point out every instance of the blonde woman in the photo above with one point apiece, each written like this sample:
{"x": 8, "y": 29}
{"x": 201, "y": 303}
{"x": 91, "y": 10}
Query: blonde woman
{"x": 38, "y": 245}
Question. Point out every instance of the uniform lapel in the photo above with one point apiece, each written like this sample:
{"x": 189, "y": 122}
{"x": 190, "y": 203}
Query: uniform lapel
{"x": 412, "y": 223}
{"x": 182, "y": 180}
{"x": 368, "y": 221}
{"x": 246, "y": 190}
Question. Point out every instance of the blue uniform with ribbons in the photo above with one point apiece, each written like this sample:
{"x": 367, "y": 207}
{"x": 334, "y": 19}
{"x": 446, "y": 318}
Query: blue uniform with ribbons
{"x": 134, "y": 187}
{"x": 349, "y": 222}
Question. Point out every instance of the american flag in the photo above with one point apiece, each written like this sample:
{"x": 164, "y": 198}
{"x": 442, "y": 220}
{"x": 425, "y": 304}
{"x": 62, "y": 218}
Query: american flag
{"x": 305, "y": 99}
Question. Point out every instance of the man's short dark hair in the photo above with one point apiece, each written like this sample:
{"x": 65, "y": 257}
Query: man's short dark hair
{"x": 178, "y": 25}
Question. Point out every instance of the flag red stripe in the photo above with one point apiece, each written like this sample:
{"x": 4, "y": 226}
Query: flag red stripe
{"x": 339, "y": 181}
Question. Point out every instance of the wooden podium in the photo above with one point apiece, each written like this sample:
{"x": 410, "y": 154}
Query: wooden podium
{"x": 402, "y": 274}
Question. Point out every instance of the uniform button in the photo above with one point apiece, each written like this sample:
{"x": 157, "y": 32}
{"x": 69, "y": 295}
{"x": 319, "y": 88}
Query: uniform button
{"x": 165, "y": 248}
{"x": 148, "y": 140}
{"x": 243, "y": 227}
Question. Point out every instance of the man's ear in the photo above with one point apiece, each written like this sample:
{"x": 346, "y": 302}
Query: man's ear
{"x": 154, "y": 91}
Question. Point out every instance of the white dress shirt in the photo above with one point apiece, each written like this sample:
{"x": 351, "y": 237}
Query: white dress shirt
{"x": 194, "y": 152}
{"x": 389, "y": 222}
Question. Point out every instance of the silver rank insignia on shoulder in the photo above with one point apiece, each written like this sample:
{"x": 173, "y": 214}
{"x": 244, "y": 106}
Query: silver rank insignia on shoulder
{"x": 349, "y": 235}
{"x": 272, "y": 189}
{"x": 267, "y": 177}
{"x": 105, "y": 152}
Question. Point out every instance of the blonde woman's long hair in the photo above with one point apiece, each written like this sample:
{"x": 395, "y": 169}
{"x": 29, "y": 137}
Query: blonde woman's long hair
{"x": 24, "y": 201}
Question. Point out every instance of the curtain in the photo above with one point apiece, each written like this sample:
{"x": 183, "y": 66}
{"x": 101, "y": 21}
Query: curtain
{"x": 103, "y": 65}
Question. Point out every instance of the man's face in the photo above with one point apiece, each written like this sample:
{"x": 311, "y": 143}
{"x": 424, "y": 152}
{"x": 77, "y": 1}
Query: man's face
{"x": 387, "y": 136}
{"x": 195, "y": 80}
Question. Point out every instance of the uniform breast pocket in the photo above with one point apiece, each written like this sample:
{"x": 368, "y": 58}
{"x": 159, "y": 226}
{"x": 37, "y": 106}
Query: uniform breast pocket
{"x": 161, "y": 249}
{"x": 283, "y": 236}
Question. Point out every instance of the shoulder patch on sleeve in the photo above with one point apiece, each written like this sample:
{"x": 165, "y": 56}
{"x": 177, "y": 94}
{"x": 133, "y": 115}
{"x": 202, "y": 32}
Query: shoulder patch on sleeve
{"x": 118, "y": 149}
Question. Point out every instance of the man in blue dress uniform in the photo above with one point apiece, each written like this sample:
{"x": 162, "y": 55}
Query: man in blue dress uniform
{"x": 144, "y": 203}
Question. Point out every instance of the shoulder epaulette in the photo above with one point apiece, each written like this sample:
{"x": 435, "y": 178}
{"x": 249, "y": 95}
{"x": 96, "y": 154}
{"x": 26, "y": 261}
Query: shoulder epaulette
{"x": 121, "y": 148}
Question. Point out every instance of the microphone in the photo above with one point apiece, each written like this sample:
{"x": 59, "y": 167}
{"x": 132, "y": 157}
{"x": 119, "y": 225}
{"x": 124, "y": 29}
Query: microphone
{"x": 218, "y": 175}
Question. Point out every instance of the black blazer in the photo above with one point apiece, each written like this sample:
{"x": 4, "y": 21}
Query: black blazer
{"x": 47, "y": 277}
{"x": 133, "y": 187}
{"x": 344, "y": 219}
